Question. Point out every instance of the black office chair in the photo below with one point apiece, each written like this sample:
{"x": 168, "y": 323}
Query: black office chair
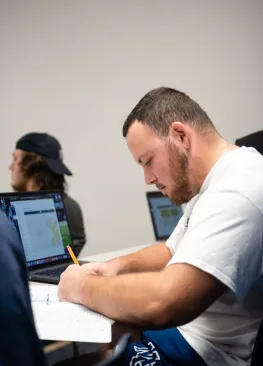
{"x": 253, "y": 140}
{"x": 98, "y": 359}
{"x": 257, "y": 354}
{"x": 118, "y": 353}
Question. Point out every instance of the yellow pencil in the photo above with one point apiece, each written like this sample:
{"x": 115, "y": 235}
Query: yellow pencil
{"x": 72, "y": 255}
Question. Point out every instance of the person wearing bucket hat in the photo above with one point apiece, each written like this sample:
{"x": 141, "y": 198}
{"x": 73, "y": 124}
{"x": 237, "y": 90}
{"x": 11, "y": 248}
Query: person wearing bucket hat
{"x": 38, "y": 165}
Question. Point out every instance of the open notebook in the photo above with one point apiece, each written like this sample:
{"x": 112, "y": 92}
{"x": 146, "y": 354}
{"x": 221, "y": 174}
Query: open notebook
{"x": 64, "y": 321}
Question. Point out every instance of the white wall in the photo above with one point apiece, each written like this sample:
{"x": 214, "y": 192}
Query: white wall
{"x": 76, "y": 68}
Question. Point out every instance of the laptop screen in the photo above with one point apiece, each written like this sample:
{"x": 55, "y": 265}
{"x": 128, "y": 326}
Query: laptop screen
{"x": 165, "y": 215}
{"x": 41, "y": 222}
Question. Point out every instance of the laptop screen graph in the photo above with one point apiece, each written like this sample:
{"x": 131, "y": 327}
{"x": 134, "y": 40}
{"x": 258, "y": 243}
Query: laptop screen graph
{"x": 165, "y": 215}
{"x": 40, "y": 220}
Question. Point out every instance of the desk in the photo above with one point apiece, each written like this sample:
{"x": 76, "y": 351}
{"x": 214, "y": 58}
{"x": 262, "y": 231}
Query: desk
{"x": 113, "y": 254}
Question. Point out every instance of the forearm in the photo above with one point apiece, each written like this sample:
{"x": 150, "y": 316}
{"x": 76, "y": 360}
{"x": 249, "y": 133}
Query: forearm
{"x": 170, "y": 297}
{"x": 130, "y": 298}
{"x": 153, "y": 258}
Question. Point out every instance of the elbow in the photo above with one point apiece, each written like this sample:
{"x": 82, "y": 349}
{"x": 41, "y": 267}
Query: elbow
{"x": 160, "y": 315}
{"x": 156, "y": 316}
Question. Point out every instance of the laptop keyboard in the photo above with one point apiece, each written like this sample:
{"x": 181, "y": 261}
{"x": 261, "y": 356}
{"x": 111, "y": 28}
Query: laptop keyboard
{"x": 55, "y": 272}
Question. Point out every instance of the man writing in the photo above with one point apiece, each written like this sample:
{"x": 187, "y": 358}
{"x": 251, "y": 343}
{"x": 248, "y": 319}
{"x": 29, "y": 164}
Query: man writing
{"x": 200, "y": 294}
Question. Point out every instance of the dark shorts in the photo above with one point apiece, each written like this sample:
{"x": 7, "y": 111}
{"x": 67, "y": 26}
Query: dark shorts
{"x": 162, "y": 347}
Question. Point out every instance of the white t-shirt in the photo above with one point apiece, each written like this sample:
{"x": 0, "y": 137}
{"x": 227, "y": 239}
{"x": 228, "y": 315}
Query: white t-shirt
{"x": 221, "y": 233}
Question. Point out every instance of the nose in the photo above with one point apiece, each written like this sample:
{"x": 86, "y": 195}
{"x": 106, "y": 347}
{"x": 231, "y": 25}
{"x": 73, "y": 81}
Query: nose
{"x": 11, "y": 166}
{"x": 149, "y": 177}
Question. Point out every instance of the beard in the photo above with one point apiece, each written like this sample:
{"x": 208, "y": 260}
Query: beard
{"x": 181, "y": 191}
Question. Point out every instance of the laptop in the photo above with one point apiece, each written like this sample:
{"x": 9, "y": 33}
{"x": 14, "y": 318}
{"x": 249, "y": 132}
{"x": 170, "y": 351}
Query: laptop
{"x": 41, "y": 222}
{"x": 165, "y": 215}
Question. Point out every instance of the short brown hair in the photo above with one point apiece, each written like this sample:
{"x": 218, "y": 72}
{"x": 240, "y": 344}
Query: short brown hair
{"x": 34, "y": 167}
{"x": 163, "y": 106}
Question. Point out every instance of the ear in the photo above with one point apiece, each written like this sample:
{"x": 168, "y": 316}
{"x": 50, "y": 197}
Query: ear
{"x": 180, "y": 133}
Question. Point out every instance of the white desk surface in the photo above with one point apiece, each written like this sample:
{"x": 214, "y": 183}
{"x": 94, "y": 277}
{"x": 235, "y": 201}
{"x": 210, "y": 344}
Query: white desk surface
{"x": 34, "y": 283}
{"x": 113, "y": 254}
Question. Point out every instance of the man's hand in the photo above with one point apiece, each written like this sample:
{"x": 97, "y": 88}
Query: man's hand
{"x": 73, "y": 278}
{"x": 110, "y": 268}
{"x": 71, "y": 283}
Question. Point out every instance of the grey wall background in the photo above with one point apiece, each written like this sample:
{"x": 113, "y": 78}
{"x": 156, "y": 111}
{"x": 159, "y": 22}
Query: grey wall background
{"x": 75, "y": 69}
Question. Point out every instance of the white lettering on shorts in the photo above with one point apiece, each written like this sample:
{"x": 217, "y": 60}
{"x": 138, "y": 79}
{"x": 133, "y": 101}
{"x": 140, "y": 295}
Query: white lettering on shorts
{"x": 145, "y": 355}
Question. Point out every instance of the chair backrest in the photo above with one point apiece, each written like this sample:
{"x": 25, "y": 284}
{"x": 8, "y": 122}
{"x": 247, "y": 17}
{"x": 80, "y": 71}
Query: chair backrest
{"x": 257, "y": 354}
{"x": 253, "y": 140}
{"x": 118, "y": 354}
